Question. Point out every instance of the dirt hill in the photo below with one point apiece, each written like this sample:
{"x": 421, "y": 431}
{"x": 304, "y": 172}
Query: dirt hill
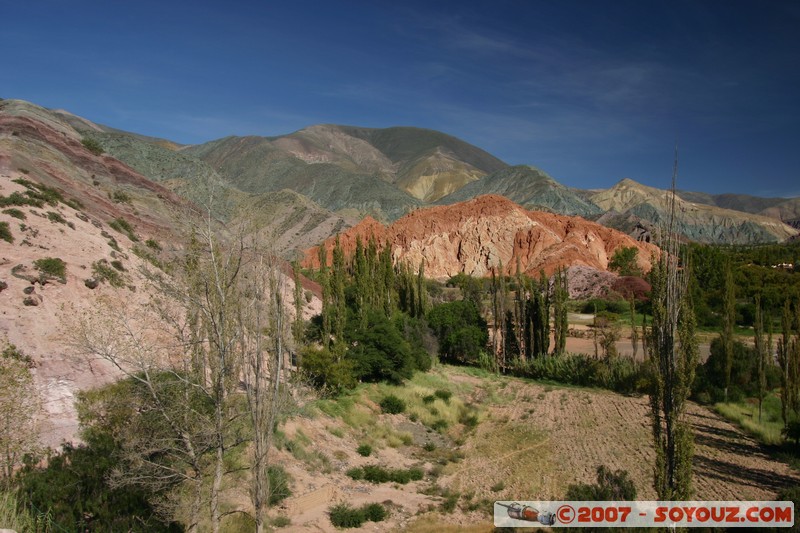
{"x": 482, "y": 234}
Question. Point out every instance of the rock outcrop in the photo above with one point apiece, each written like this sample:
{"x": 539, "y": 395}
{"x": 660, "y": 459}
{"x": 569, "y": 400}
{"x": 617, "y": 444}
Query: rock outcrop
{"x": 489, "y": 233}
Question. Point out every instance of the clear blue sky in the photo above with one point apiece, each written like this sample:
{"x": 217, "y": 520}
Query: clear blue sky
{"x": 590, "y": 91}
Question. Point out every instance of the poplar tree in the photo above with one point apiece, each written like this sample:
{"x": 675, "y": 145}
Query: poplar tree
{"x": 560, "y": 322}
{"x": 761, "y": 355}
{"x": 673, "y": 357}
{"x": 729, "y": 318}
{"x": 327, "y": 311}
{"x": 337, "y": 281}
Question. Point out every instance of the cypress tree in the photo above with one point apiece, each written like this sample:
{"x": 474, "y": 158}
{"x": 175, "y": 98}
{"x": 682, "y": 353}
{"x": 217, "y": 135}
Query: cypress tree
{"x": 327, "y": 311}
{"x": 337, "y": 281}
{"x": 761, "y": 355}
{"x": 729, "y": 317}
{"x": 673, "y": 358}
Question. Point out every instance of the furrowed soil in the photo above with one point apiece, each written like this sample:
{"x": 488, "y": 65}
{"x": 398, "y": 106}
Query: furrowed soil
{"x": 531, "y": 441}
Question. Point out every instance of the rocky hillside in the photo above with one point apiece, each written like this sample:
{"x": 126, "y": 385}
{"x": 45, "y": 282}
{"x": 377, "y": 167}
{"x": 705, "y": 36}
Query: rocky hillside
{"x": 484, "y": 233}
{"x": 697, "y": 222}
{"x": 529, "y": 187}
{"x": 77, "y": 227}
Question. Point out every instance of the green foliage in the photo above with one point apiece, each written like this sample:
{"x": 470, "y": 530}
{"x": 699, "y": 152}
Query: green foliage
{"x": 52, "y": 267}
{"x": 379, "y": 474}
{"x": 73, "y": 490}
{"x": 364, "y": 450}
{"x": 52, "y": 216}
{"x": 710, "y": 381}
{"x": 327, "y": 371}
{"x": 443, "y": 395}
{"x": 610, "y": 486}
{"x": 120, "y": 197}
{"x": 380, "y": 352}
{"x": 460, "y": 329}
{"x": 103, "y": 272}
{"x": 123, "y": 226}
{"x": 151, "y": 243}
{"x": 5, "y": 232}
{"x": 619, "y": 374}
{"x": 92, "y": 145}
{"x": 279, "y": 481}
{"x": 392, "y": 405}
{"x": 344, "y": 516}
{"x": 15, "y": 213}
{"x": 624, "y": 261}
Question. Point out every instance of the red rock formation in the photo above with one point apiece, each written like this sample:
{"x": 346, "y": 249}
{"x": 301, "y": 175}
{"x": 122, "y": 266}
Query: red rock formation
{"x": 479, "y": 235}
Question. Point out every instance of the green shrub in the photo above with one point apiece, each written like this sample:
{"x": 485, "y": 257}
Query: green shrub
{"x": 610, "y": 486}
{"x": 52, "y": 216}
{"x": 123, "y": 226}
{"x": 342, "y": 515}
{"x": 392, "y": 405}
{"x": 92, "y": 145}
{"x": 280, "y": 521}
{"x": 430, "y": 398}
{"x": 374, "y": 512}
{"x": 279, "y": 481}
{"x": 16, "y": 213}
{"x": 121, "y": 197}
{"x": 443, "y": 395}
{"x": 365, "y": 450}
{"x": 379, "y": 474}
{"x": 429, "y": 446}
{"x": 52, "y": 267}
{"x": 355, "y": 473}
{"x": 439, "y": 425}
{"x": 103, "y": 272}
{"x": 118, "y": 265}
{"x": 150, "y": 243}
{"x": 5, "y": 232}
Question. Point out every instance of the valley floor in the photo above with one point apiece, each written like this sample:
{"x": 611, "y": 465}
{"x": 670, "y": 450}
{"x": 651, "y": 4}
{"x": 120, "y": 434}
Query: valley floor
{"x": 531, "y": 442}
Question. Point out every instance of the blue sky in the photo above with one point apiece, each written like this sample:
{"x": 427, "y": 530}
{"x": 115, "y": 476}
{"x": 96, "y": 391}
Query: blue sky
{"x": 590, "y": 91}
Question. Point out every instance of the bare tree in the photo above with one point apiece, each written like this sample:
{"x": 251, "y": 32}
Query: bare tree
{"x": 20, "y": 409}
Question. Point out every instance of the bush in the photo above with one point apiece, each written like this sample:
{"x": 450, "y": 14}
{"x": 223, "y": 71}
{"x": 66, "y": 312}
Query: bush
{"x": 52, "y": 216}
{"x": 123, "y": 226}
{"x": 121, "y": 197}
{"x": 5, "y": 232}
{"x": 392, "y": 405}
{"x": 344, "y": 516}
{"x": 620, "y": 374}
{"x": 92, "y": 145}
{"x": 379, "y": 474}
{"x": 365, "y": 450}
{"x": 374, "y": 512}
{"x": 103, "y": 272}
{"x": 279, "y": 484}
{"x": 443, "y": 395}
{"x": 460, "y": 329}
{"x": 430, "y": 398}
{"x": 610, "y": 485}
{"x": 16, "y": 213}
{"x": 52, "y": 267}
{"x": 150, "y": 243}
{"x": 429, "y": 446}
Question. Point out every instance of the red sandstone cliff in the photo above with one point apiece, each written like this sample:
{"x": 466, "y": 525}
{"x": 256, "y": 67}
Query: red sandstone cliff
{"x": 478, "y": 235}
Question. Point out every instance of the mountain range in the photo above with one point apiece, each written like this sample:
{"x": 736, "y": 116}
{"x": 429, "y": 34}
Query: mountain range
{"x": 340, "y": 174}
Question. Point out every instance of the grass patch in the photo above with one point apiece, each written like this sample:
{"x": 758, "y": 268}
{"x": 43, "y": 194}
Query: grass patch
{"x": 365, "y": 450}
{"x": 379, "y": 474}
{"x": 745, "y": 415}
{"x": 103, "y": 272}
{"x": 123, "y": 226}
{"x": 5, "y": 232}
{"x": 344, "y": 516}
{"x": 15, "y": 213}
{"x": 52, "y": 267}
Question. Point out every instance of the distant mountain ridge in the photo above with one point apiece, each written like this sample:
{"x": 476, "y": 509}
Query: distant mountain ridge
{"x": 351, "y": 172}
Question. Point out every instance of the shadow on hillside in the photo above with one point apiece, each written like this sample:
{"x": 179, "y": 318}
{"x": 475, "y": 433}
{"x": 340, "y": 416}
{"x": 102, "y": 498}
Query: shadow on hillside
{"x": 741, "y": 475}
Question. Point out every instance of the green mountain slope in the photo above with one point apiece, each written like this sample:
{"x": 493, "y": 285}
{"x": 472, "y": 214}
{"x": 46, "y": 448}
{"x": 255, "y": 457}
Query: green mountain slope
{"x": 528, "y": 187}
